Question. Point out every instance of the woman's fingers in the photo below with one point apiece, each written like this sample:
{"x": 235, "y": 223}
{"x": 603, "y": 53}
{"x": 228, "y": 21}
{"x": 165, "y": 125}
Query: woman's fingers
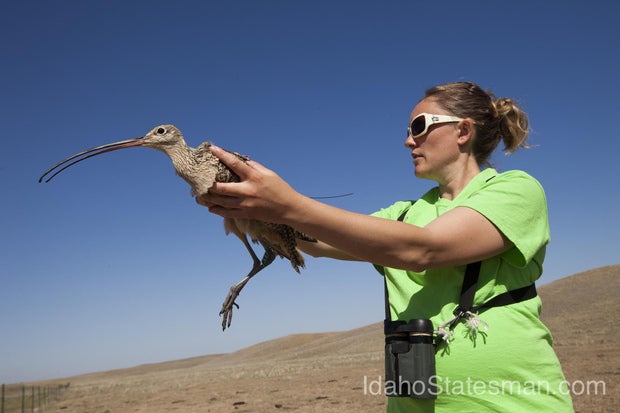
{"x": 261, "y": 194}
{"x": 231, "y": 160}
{"x": 218, "y": 195}
{"x": 226, "y": 206}
{"x": 202, "y": 200}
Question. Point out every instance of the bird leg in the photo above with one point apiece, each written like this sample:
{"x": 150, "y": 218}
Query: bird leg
{"x": 229, "y": 301}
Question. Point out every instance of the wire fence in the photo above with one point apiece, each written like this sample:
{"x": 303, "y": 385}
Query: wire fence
{"x": 20, "y": 398}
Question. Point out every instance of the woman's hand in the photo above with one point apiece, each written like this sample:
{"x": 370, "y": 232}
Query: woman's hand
{"x": 261, "y": 194}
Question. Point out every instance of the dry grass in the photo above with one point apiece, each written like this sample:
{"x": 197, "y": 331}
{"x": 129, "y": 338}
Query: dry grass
{"x": 581, "y": 312}
{"x": 325, "y": 372}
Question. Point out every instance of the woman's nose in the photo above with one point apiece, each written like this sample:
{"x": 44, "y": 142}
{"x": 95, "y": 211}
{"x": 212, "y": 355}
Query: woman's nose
{"x": 410, "y": 142}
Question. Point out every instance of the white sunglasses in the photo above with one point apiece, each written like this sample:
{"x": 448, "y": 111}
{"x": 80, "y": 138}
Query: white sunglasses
{"x": 420, "y": 124}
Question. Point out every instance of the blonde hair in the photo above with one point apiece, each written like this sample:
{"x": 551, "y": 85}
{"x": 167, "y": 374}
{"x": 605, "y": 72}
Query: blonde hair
{"x": 494, "y": 119}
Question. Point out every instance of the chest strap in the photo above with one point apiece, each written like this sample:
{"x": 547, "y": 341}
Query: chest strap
{"x": 468, "y": 290}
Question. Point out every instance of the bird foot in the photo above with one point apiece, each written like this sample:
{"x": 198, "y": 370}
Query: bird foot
{"x": 227, "y": 308}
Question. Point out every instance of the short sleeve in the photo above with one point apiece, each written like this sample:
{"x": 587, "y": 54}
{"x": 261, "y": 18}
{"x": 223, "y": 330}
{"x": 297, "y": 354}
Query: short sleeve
{"x": 515, "y": 203}
{"x": 393, "y": 211}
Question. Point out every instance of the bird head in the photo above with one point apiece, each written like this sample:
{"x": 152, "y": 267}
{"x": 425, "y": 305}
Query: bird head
{"x": 160, "y": 137}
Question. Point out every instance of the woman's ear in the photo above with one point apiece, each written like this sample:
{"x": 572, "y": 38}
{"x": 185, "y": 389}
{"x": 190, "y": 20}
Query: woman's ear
{"x": 466, "y": 131}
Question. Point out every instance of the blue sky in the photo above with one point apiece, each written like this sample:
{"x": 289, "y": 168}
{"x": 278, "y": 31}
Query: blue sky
{"x": 112, "y": 264}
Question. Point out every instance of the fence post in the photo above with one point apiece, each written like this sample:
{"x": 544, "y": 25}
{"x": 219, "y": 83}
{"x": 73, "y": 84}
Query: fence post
{"x": 2, "y": 400}
{"x": 32, "y": 401}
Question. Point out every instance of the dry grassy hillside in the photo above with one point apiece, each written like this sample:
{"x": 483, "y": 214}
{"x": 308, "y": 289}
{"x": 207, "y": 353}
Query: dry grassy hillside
{"x": 325, "y": 372}
{"x": 581, "y": 312}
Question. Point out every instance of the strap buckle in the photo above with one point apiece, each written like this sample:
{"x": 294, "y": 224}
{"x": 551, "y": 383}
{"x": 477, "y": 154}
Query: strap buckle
{"x": 460, "y": 313}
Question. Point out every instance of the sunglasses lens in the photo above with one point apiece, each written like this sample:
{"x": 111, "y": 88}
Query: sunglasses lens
{"x": 418, "y": 125}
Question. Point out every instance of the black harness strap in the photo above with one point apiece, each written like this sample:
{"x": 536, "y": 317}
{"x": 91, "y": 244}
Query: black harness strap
{"x": 509, "y": 297}
{"x": 388, "y": 315}
{"x": 402, "y": 216}
{"x": 468, "y": 290}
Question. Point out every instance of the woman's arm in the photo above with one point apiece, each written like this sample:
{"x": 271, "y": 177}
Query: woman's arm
{"x": 320, "y": 249}
{"x": 459, "y": 236}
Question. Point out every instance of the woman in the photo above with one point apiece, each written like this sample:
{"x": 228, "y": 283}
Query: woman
{"x": 473, "y": 214}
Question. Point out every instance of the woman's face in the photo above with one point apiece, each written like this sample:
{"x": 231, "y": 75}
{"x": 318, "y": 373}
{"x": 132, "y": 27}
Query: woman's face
{"x": 434, "y": 152}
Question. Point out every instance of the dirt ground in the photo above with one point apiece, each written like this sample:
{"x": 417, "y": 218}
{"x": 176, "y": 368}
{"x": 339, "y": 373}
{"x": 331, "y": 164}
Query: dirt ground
{"x": 324, "y": 390}
{"x": 326, "y": 372}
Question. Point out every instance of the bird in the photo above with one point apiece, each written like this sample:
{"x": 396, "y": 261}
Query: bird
{"x": 201, "y": 169}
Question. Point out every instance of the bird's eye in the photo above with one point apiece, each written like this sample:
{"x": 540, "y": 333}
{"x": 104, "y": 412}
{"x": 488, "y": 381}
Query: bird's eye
{"x": 161, "y": 131}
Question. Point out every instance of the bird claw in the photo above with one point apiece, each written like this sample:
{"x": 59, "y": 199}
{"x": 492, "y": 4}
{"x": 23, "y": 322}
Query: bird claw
{"x": 233, "y": 293}
{"x": 227, "y": 308}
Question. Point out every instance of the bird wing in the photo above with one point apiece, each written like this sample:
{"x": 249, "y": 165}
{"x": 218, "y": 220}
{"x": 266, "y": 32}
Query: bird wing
{"x": 206, "y": 169}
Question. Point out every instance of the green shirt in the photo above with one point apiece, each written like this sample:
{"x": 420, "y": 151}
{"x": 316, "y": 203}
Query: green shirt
{"x": 511, "y": 367}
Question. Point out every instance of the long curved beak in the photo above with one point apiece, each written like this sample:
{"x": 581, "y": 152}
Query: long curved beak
{"x": 89, "y": 153}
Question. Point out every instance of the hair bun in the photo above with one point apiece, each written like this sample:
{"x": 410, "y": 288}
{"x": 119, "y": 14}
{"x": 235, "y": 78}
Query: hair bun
{"x": 513, "y": 124}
